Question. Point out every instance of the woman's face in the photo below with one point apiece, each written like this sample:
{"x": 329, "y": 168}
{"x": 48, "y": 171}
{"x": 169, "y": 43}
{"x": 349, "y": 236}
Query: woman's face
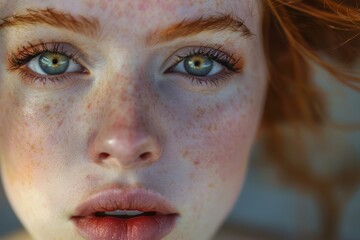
{"x": 128, "y": 105}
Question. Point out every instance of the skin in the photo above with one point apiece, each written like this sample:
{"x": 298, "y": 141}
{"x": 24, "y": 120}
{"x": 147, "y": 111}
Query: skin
{"x": 127, "y": 123}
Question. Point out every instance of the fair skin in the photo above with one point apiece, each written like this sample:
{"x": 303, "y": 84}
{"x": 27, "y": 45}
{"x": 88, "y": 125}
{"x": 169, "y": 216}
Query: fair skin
{"x": 123, "y": 119}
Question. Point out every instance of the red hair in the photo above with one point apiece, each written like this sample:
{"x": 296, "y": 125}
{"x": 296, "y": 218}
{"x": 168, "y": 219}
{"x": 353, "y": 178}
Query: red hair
{"x": 296, "y": 33}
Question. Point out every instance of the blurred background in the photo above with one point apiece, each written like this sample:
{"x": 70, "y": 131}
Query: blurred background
{"x": 324, "y": 204}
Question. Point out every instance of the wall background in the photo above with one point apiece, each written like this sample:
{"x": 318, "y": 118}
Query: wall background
{"x": 269, "y": 206}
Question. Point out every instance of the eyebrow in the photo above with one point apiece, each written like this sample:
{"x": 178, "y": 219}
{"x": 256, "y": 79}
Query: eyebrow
{"x": 91, "y": 27}
{"x": 49, "y": 16}
{"x": 188, "y": 27}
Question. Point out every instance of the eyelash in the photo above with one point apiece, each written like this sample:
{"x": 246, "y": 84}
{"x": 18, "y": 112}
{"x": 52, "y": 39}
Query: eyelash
{"x": 217, "y": 54}
{"x": 27, "y": 53}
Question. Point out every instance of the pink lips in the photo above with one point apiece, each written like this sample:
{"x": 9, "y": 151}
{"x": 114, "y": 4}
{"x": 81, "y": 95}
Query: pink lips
{"x": 158, "y": 220}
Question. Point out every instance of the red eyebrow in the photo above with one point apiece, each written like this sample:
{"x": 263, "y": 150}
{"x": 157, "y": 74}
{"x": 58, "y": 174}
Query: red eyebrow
{"x": 78, "y": 24}
{"x": 187, "y": 28}
{"x": 90, "y": 27}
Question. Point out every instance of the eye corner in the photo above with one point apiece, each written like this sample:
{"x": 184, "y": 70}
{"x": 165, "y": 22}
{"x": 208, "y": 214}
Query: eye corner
{"x": 170, "y": 69}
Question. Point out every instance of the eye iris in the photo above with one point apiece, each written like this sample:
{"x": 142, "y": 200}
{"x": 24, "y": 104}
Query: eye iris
{"x": 53, "y": 63}
{"x": 198, "y": 65}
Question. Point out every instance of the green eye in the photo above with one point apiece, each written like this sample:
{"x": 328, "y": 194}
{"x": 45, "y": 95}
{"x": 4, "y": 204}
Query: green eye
{"x": 50, "y": 63}
{"x": 203, "y": 65}
{"x": 198, "y": 65}
{"x": 53, "y": 63}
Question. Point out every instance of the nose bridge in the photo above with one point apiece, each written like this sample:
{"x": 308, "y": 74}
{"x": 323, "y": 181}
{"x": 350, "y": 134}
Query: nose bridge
{"x": 123, "y": 137}
{"x": 126, "y": 90}
{"x": 125, "y": 94}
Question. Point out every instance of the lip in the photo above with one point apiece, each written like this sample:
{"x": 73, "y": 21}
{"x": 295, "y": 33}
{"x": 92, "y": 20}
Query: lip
{"x": 91, "y": 226}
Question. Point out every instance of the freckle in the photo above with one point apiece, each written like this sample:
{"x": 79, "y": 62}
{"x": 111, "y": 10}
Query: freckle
{"x": 142, "y": 6}
{"x": 199, "y": 112}
{"x": 211, "y": 185}
{"x": 32, "y": 146}
{"x": 217, "y": 106}
{"x": 60, "y": 122}
{"x": 185, "y": 153}
{"x": 196, "y": 162}
{"x": 46, "y": 108}
{"x": 89, "y": 106}
{"x": 211, "y": 127}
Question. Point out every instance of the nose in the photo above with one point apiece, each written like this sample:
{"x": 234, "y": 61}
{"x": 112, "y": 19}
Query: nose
{"x": 125, "y": 147}
{"x": 124, "y": 138}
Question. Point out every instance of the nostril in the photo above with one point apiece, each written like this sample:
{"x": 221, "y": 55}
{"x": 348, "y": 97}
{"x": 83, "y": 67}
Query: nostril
{"x": 103, "y": 156}
{"x": 145, "y": 156}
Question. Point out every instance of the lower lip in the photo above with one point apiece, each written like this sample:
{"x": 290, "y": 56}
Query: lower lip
{"x": 141, "y": 228}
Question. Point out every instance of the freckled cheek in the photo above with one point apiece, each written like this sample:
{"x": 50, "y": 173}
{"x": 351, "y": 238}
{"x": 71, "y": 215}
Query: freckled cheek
{"x": 28, "y": 141}
{"x": 222, "y": 141}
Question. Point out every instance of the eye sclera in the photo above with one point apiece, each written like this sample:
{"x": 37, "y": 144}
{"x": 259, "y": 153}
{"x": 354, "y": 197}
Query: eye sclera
{"x": 70, "y": 68}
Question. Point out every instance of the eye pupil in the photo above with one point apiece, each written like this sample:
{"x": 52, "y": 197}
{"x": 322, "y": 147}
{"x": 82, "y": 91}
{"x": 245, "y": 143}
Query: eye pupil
{"x": 198, "y": 65}
{"x": 54, "y": 63}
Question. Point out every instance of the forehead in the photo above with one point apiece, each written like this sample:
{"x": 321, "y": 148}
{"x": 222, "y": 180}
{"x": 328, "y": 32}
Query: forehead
{"x": 141, "y": 14}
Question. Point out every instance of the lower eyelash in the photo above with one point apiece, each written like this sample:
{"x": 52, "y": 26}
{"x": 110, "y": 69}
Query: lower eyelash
{"x": 28, "y": 77}
{"x": 213, "y": 81}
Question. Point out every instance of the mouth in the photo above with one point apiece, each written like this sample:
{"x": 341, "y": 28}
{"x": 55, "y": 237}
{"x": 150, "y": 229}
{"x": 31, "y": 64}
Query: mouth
{"x": 125, "y": 214}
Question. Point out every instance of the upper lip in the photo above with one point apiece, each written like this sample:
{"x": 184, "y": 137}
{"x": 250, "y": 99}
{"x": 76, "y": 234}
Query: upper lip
{"x": 124, "y": 199}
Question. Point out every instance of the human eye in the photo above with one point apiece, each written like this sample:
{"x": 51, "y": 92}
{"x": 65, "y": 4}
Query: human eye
{"x": 46, "y": 63}
{"x": 206, "y": 65}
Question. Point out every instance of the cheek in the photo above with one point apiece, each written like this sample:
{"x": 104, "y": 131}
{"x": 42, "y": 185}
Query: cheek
{"x": 214, "y": 141}
{"x": 220, "y": 136}
{"x": 28, "y": 136}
